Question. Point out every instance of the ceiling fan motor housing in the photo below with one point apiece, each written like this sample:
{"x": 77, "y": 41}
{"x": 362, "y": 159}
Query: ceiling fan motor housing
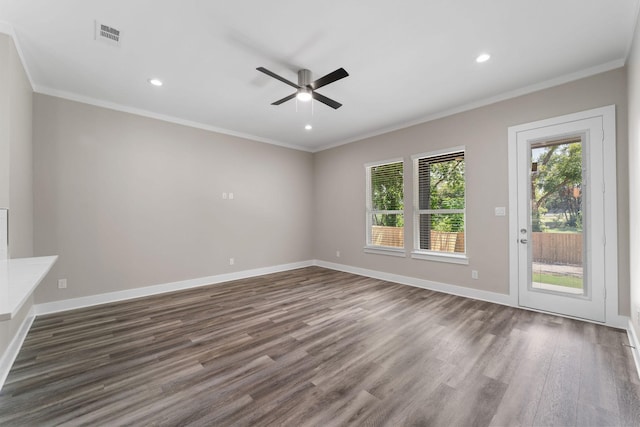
{"x": 304, "y": 78}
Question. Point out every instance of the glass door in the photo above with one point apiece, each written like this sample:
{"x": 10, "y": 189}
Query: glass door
{"x": 561, "y": 220}
{"x": 557, "y": 216}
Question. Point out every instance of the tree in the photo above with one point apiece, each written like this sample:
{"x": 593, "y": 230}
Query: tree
{"x": 446, "y": 191}
{"x": 388, "y": 193}
{"x": 556, "y": 183}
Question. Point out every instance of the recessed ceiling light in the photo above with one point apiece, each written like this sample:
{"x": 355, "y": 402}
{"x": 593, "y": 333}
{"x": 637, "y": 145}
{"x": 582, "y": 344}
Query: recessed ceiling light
{"x": 155, "y": 82}
{"x": 308, "y": 127}
{"x": 483, "y": 58}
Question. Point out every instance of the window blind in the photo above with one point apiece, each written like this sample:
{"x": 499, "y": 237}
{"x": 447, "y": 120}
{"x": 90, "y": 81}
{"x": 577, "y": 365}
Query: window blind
{"x": 385, "y": 205}
{"x": 441, "y": 202}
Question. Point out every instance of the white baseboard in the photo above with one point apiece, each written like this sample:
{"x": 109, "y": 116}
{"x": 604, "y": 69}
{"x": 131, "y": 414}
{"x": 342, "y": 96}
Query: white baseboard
{"x": 74, "y": 303}
{"x": 10, "y": 354}
{"x": 462, "y": 291}
{"x": 617, "y": 321}
{"x": 635, "y": 345}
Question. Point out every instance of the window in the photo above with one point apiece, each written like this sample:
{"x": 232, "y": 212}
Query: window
{"x": 385, "y": 206}
{"x": 439, "y": 218}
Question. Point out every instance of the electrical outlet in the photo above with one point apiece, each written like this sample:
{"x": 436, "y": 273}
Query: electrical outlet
{"x": 338, "y": 254}
{"x": 231, "y": 261}
{"x": 474, "y": 274}
{"x": 62, "y": 284}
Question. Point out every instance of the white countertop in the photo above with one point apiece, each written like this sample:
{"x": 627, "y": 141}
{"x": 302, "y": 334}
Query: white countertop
{"x": 19, "y": 277}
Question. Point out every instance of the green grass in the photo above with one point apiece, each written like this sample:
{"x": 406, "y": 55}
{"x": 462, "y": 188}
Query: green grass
{"x": 555, "y": 223}
{"x": 551, "y": 279}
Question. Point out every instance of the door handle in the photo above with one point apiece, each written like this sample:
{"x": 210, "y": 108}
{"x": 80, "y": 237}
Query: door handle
{"x": 524, "y": 241}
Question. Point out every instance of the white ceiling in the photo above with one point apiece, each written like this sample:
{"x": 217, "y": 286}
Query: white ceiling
{"x": 408, "y": 60}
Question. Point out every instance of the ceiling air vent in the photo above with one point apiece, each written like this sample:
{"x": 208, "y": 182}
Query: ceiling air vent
{"x": 107, "y": 34}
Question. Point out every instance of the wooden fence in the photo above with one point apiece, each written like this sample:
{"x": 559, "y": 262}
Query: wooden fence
{"x": 447, "y": 241}
{"x": 394, "y": 236}
{"x": 557, "y": 248}
{"x": 548, "y": 248}
{"x": 387, "y": 236}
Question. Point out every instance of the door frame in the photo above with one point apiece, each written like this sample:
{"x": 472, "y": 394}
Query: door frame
{"x": 609, "y": 186}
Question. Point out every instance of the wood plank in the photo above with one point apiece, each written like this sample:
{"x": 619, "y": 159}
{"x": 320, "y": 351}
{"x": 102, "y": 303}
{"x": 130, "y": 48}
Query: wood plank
{"x": 318, "y": 347}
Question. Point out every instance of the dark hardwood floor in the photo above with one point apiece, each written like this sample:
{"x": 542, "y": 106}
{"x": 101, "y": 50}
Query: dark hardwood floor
{"x": 321, "y": 348}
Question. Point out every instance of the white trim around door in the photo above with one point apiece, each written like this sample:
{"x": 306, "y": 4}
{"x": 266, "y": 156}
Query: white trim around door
{"x": 608, "y": 256}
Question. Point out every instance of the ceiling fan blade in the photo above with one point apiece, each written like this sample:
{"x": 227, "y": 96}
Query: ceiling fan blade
{"x": 275, "y": 76}
{"x": 327, "y": 101}
{"x": 285, "y": 99}
{"x": 338, "y": 74}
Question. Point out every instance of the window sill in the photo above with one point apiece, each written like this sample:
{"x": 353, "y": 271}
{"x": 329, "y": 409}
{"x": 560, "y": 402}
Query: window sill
{"x": 384, "y": 250}
{"x": 440, "y": 257}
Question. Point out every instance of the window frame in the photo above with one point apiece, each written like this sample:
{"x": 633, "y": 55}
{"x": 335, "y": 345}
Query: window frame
{"x": 431, "y": 255}
{"x": 369, "y": 211}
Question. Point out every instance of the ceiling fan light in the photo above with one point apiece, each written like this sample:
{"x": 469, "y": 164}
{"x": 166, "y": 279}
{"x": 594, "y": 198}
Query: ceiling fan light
{"x": 304, "y": 95}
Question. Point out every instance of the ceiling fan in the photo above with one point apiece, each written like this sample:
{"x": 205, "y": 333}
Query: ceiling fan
{"x": 306, "y": 89}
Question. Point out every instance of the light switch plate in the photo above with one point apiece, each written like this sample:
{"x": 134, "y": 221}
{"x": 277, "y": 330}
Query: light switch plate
{"x": 501, "y": 211}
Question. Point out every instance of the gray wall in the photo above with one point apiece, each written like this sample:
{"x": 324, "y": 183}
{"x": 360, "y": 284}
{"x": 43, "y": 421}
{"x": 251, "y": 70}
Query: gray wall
{"x": 16, "y": 171}
{"x": 16, "y": 168}
{"x": 340, "y": 183}
{"x": 634, "y": 175}
{"x": 127, "y": 201}
{"x": 5, "y": 84}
